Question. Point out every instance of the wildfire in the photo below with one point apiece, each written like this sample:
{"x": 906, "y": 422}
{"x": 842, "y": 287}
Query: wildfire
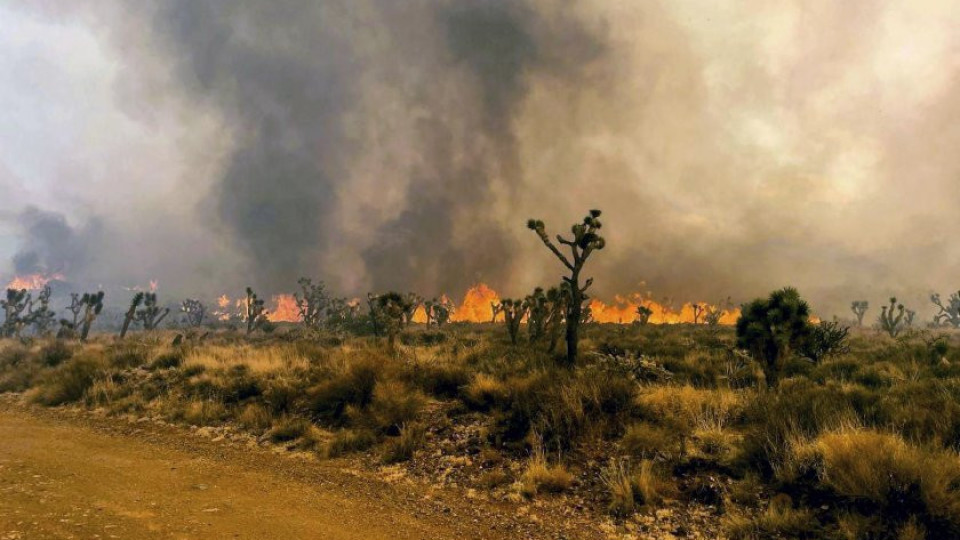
{"x": 476, "y": 305}
{"x": 624, "y": 310}
{"x": 32, "y": 282}
{"x": 286, "y": 309}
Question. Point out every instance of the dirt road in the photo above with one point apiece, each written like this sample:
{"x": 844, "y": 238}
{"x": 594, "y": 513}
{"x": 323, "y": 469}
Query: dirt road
{"x": 67, "y": 478}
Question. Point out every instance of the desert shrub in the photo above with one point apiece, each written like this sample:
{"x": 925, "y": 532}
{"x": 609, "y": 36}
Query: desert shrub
{"x": 346, "y": 441}
{"x": 167, "y": 360}
{"x": 882, "y": 472}
{"x": 393, "y": 405}
{"x": 239, "y": 384}
{"x": 288, "y": 428}
{"x": 202, "y": 413}
{"x": 442, "y": 379}
{"x": 54, "y": 353}
{"x": 18, "y": 370}
{"x": 127, "y": 355}
{"x": 542, "y": 477}
{"x": 645, "y": 440}
{"x": 255, "y": 417}
{"x": 283, "y": 394}
{"x": 68, "y": 382}
{"x": 402, "y": 448}
{"x": 328, "y": 400}
{"x": 484, "y": 392}
{"x": 628, "y": 490}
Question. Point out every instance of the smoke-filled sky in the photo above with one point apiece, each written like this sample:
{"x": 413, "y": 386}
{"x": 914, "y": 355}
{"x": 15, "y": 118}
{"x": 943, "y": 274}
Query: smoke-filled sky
{"x": 734, "y": 147}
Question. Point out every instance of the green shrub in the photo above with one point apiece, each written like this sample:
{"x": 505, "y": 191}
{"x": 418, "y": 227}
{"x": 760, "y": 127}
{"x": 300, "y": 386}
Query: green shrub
{"x": 68, "y": 382}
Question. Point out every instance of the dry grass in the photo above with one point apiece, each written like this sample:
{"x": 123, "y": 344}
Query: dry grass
{"x": 542, "y": 477}
{"x": 258, "y": 359}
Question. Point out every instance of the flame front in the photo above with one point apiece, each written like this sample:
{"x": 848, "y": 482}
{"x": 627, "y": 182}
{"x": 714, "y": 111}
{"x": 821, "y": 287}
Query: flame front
{"x": 623, "y": 310}
{"x": 32, "y": 282}
{"x": 476, "y": 305}
{"x": 285, "y": 309}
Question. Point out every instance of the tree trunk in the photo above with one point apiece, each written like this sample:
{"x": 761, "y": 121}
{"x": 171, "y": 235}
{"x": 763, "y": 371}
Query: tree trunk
{"x": 573, "y": 322}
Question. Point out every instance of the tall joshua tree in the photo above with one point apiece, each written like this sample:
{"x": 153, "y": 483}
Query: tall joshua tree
{"x": 643, "y": 315}
{"x": 131, "y": 314}
{"x": 151, "y": 314}
{"x": 859, "y": 309}
{"x": 254, "y": 312}
{"x": 92, "y": 304}
{"x": 16, "y": 303}
{"x": 586, "y": 239}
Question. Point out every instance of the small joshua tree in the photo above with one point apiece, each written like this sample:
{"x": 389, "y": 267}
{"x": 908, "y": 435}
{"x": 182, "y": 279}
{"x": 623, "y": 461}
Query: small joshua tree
{"x": 772, "y": 328}
{"x": 538, "y": 312}
{"x": 131, "y": 313}
{"x": 586, "y": 239}
{"x": 891, "y": 318}
{"x": 496, "y": 308}
{"x": 151, "y": 314}
{"x": 949, "y": 314}
{"x": 390, "y": 309}
{"x": 513, "y": 313}
{"x": 92, "y": 306}
{"x": 254, "y": 312}
{"x": 643, "y": 315}
{"x": 193, "y": 312}
{"x": 438, "y": 311}
{"x": 15, "y": 310}
{"x": 312, "y": 303}
{"x": 859, "y": 309}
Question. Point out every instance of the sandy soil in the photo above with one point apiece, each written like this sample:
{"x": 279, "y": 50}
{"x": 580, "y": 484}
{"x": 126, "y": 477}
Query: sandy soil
{"x": 66, "y": 475}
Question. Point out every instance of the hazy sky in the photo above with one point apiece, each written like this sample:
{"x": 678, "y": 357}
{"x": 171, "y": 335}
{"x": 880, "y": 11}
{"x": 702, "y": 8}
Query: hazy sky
{"x": 733, "y": 146}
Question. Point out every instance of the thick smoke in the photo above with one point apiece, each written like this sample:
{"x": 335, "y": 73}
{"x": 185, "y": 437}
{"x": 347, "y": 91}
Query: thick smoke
{"x": 49, "y": 245}
{"x": 378, "y": 144}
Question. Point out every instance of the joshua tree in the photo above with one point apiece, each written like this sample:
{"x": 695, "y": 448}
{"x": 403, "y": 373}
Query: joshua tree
{"x": 75, "y": 307}
{"x": 698, "y": 310}
{"x": 312, "y": 303}
{"x": 949, "y": 314}
{"x": 586, "y": 239}
{"x": 643, "y": 315}
{"x": 891, "y": 318}
{"x": 193, "y": 312}
{"x": 131, "y": 313}
{"x": 17, "y": 302}
{"x": 151, "y": 314}
{"x": 254, "y": 312}
{"x": 714, "y": 314}
{"x": 496, "y": 308}
{"x": 438, "y": 311}
{"x": 859, "y": 308}
{"x": 92, "y": 306}
{"x": 538, "y": 312}
{"x": 513, "y": 312}
{"x": 389, "y": 309}
{"x": 774, "y": 327}
{"x": 414, "y": 301}
{"x": 342, "y": 314}
{"x": 42, "y": 317}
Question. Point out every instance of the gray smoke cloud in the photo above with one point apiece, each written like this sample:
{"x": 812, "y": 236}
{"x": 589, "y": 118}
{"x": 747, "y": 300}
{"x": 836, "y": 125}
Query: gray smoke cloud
{"x": 378, "y": 144}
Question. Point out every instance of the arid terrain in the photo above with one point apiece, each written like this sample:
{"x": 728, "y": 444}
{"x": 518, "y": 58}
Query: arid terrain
{"x": 64, "y": 474}
{"x": 658, "y": 432}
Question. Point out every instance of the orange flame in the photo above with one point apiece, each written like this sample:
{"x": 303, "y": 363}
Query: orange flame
{"x": 32, "y": 282}
{"x": 623, "y": 310}
{"x": 286, "y": 309}
{"x": 476, "y": 305}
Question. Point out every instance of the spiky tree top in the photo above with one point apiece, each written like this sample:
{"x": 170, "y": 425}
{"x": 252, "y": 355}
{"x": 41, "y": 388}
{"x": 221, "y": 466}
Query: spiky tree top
{"x": 586, "y": 239}
{"x": 193, "y": 311}
{"x": 255, "y": 313}
{"x": 312, "y": 303}
{"x": 859, "y": 308}
{"x": 950, "y": 313}
{"x": 891, "y": 318}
